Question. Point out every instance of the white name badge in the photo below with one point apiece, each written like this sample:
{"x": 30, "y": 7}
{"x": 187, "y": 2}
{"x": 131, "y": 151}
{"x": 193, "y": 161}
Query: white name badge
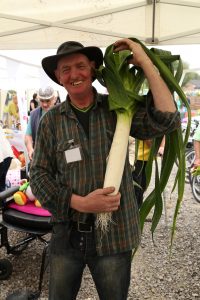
{"x": 73, "y": 155}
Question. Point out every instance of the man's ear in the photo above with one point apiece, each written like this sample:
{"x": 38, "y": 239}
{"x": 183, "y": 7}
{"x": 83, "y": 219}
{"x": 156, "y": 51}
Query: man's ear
{"x": 57, "y": 76}
{"x": 93, "y": 64}
{"x": 93, "y": 69}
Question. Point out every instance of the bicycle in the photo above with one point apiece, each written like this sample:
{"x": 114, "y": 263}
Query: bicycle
{"x": 195, "y": 186}
{"x": 189, "y": 160}
{"x": 189, "y": 149}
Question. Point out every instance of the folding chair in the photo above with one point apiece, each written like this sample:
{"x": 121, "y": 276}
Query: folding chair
{"x": 31, "y": 220}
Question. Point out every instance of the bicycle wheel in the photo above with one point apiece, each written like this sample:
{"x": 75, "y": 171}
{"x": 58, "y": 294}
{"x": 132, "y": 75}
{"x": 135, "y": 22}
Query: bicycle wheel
{"x": 189, "y": 159}
{"x": 196, "y": 187}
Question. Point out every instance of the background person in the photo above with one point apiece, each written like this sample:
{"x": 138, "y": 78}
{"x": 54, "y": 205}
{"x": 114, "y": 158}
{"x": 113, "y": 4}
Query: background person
{"x": 13, "y": 112}
{"x": 68, "y": 168}
{"x": 46, "y": 100}
{"x": 57, "y": 99}
{"x": 33, "y": 102}
{"x": 139, "y": 168}
{"x": 196, "y": 140}
{"x": 138, "y": 174}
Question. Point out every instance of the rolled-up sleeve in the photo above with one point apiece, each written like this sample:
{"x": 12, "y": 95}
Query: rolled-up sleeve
{"x": 148, "y": 122}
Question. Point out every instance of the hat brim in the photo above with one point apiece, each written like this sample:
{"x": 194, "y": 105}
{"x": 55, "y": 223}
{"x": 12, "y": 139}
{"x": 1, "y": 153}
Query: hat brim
{"x": 49, "y": 63}
{"x": 45, "y": 98}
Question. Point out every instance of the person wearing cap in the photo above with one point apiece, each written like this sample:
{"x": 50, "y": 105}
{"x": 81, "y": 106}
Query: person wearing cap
{"x": 46, "y": 99}
{"x": 68, "y": 167}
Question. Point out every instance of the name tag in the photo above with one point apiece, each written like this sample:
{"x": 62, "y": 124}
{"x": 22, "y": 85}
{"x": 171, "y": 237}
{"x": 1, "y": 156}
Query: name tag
{"x": 73, "y": 155}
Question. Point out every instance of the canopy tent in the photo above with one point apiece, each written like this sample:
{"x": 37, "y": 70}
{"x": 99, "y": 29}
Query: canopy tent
{"x": 47, "y": 23}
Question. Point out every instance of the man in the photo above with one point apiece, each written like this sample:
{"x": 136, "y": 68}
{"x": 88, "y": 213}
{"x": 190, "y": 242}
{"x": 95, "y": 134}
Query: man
{"x": 47, "y": 99}
{"x": 68, "y": 168}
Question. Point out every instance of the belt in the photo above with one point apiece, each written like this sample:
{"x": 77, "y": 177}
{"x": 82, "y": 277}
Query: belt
{"x": 83, "y": 227}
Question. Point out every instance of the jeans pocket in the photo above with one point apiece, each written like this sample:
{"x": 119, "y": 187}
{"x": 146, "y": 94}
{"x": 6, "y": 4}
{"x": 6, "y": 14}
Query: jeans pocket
{"x": 60, "y": 238}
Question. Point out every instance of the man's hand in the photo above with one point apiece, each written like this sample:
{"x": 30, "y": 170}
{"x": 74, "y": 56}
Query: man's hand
{"x": 97, "y": 201}
{"x": 29, "y": 145}
{"x": 139, "y": 56}
{"x": 158, "y": 87}
{"x": 30, "y": 153}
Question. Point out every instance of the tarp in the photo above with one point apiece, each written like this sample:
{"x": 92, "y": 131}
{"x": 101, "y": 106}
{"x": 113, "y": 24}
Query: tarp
{"x": 47, "y": 23}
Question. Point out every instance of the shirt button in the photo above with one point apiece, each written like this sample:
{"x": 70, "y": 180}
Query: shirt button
{"x": 81, "y": 244}
{"x": 82, "y": 238}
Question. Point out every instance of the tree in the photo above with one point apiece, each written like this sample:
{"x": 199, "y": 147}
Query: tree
{"x": 190, "y": 76}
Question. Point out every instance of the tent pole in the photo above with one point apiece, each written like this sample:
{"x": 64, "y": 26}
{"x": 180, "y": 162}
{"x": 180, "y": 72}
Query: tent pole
{"x": 153, "y": 21}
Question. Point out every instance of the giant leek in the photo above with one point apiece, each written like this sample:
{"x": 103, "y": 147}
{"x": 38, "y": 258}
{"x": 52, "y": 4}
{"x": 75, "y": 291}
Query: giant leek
{"x": 124, "y": 86}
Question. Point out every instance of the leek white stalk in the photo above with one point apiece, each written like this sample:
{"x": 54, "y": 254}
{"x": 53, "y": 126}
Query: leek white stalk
{"x": 123, "y": 88}
{"x": 116, "y": 161}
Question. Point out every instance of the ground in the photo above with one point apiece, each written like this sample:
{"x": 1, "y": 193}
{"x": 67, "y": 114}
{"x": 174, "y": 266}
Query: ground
{"x": 155, "y": 274}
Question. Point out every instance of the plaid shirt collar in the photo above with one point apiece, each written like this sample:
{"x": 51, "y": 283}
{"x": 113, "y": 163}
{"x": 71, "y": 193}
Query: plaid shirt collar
{"x": 65, "y": 107}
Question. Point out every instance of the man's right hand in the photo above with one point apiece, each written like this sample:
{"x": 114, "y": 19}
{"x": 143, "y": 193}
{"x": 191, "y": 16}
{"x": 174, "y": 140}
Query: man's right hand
{"x": 98, "y": 201}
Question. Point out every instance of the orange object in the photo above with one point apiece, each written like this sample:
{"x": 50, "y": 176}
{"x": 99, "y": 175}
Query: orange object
{"x": 37, "y": 203}
{"x": 20, "y": 198}
{"x": 21, "y": 158}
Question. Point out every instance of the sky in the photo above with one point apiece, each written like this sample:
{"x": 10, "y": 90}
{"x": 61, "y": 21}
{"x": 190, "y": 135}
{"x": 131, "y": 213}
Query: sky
{"x": 188, "y": 53}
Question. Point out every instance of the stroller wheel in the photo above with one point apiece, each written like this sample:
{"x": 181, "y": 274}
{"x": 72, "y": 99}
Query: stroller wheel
{"x": 5, "y": 269}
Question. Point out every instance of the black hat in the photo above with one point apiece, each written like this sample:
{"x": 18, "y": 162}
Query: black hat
{"x": 49, "y": 63}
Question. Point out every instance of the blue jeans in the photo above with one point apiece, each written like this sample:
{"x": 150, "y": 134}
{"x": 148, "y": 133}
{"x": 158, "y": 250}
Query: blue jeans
{"x": 70, "y": 252}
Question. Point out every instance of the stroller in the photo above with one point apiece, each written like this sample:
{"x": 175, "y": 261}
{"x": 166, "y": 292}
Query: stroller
{"x": 31, "y": 222}
{"x": 5, "y": 264}
{"x": 34, "y": 227}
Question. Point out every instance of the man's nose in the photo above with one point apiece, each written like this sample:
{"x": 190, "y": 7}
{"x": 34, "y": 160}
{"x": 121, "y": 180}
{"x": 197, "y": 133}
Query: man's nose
{"x": 74, "y": 73}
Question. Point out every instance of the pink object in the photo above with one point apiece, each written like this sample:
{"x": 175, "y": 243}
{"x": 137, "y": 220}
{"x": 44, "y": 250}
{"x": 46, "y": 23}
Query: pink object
{"x": 31, "y": 209}
{"x": 14, "y": 177}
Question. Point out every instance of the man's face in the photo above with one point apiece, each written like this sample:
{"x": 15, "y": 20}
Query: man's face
{"x": 75, "y": 72}
{"x": 47, "y": 104}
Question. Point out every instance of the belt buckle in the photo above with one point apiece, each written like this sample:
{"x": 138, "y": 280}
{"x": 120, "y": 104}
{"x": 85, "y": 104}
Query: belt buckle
{"x": 86, "y": 231}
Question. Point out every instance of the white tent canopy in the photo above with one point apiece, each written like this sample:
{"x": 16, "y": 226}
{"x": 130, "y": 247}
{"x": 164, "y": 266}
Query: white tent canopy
{"x": 47, "y": 23}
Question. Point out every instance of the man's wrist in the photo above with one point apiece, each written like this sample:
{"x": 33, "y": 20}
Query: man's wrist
{"x": 77, "y": 202}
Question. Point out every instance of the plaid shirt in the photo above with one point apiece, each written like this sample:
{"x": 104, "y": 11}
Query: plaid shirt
{"x": 53, "y": 180}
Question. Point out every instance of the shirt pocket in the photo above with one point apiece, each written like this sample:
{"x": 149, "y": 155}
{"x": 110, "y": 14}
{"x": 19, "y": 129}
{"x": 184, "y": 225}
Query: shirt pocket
{"x": 60, "y": 154}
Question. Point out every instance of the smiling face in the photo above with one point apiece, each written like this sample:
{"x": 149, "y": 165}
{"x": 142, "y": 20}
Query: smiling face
{"x": 75, "y": 73}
